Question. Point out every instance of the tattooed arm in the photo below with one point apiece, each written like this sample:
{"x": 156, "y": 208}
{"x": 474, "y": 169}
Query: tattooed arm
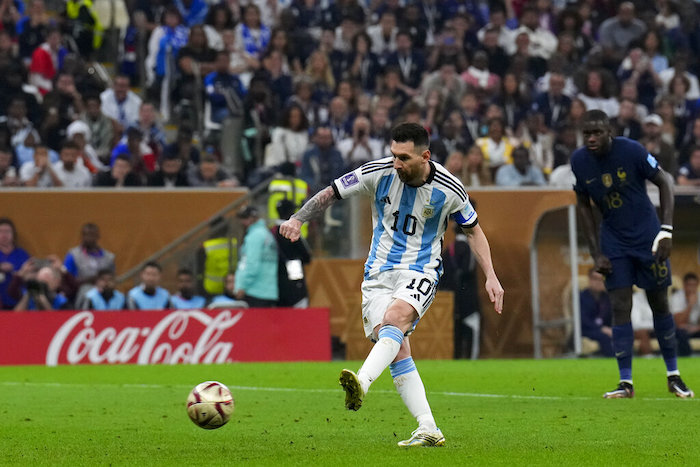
{"x": 291, "y": 229}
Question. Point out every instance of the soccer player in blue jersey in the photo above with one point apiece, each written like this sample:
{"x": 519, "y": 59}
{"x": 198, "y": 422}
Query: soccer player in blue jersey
{"x": 412, "y": 200}
{"x": 630, "y": 246}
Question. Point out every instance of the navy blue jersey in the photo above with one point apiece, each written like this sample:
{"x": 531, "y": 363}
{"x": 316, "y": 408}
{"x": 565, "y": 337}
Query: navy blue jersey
{"x": 616, "y": 183}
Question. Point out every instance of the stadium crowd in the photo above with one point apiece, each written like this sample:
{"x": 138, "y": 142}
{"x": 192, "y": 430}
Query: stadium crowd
{"x": 248, "y": 85}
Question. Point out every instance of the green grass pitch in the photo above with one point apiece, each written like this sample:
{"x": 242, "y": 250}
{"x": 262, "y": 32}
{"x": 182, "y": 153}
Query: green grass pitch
{"x": 492, "y": 412}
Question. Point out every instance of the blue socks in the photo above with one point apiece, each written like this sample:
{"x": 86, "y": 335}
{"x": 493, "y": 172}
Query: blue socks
{"x": 623, "y": 344}
{"x": 665, "y": 329}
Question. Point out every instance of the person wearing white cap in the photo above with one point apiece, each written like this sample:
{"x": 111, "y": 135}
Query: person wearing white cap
{"x": 651, "y": 139}
{"x": 79, "y": 133}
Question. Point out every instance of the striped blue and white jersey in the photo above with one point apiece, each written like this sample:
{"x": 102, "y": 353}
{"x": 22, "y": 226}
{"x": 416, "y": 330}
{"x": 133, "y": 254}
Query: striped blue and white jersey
{"x": 408, "y": 222}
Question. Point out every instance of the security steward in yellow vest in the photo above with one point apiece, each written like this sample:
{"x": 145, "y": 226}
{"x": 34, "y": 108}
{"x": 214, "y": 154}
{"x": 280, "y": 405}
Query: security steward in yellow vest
{"x": 290, "y": 188}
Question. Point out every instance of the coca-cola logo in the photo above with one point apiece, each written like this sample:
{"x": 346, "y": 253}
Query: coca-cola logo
{"x": 80, "y": 342}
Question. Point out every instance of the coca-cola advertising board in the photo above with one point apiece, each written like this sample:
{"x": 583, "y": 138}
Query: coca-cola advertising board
{"x": 168, "y": 337}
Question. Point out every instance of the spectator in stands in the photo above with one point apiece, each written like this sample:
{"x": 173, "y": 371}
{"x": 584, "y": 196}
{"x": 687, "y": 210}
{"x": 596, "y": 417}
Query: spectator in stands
{"x": 219, "y": 19}
{"x": 228, "y": 297}
{"x": 163, "y": 46}
{"x": 120, "y": 103}
{"x": 14, "y": 82}
{"x": 184, "y": 148}
{"x": 143, "y": 161}
{"x": 194, "y": 61}
{"x": 39, "y": 172}
{"x": 627, "y": 122}
{"x": 87, "y": 259}
{"x": 475, "y": 171}
{"x": 539, "y": 140}
{"x": 322, "y": 162}
{"x": 103, "y": 295}
{"x": 445, "y": 80}
{"x": 193, "y": 12}
{"x": 224, "y": 91}
{"x": 318, "y": 69}
{"x": 151, "y": 128}
{"x": 279, "y": 81}
{"x": 363, "y": 62}
{"x": 16, "y": 121}
{"x": 553, "y": 103}
{"x": 681, "y": 62}
{"x": 521, "y": 172}
{"x": 61, "y": 107}
{"x": 47, "y": 61}
{"x": 617, "y": 33}
{"x": 638, "y": 70}
{"x": 596, "y": 313}
{"x": 383, "y": 36}
{"x": 71, "y": 173}
{"x": 495, "y": 146}
{"x": 664, "y": 153}
{"x": 293, "y": 256}
{"x": 256, "y": 272}
{"x": 8, "y": 172}
{"x": 289, "y": 139}
{"x": 689, "y": 173}
{"x": 78, "y": 132}
{"x": 651, "y": 46}
{"x": 479, "y": 78}
{"x": 32, "y": 30}
{"x": 82, "y": 22}
{"x": 12, "y": 258}
{"x": 595, "y": 96}
{"x": 542, "y": 43}
{"x": 101, "y": 128}
{"x": 408, "y": 60}
{"x": 360, "y": 147}
{"x": 685, "y": 307}
{"x": 170, "y": 173}
{"x": 119, "y": 175}
{"x": 209, "y": 173}
{"x": 514, "y": 102}
{"x": 148, "y": 295}
{"x": 41, "y": 292}
{"x": 252, "y": 36}
{"x": 185, "y": 298}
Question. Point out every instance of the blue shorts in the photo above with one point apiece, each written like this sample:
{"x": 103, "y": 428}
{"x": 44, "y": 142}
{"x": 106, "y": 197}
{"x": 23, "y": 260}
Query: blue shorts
{"x": 638, "y": 268}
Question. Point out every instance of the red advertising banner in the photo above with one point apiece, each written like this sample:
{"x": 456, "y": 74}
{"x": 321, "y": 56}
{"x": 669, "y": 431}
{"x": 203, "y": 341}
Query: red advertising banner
{"x": 169, "y": 337}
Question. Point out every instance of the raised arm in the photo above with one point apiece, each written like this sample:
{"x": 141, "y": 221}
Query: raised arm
{"x": 480, "y": 246}
{"x": 291, "y": 229}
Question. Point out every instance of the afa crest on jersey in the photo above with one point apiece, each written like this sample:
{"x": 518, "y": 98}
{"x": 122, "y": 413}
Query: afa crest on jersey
{"x": 607, "y": 180}
{"x": 428, "y": 210}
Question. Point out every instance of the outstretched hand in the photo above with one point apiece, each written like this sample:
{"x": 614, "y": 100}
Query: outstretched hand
{"x": 496, "y": 292}
{"x": 291, "y": 229}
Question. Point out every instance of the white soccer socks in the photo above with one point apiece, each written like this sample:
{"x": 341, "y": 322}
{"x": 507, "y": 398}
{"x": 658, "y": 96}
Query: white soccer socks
{"x": 381, "y": 355}
{"x": 409, "y": 385}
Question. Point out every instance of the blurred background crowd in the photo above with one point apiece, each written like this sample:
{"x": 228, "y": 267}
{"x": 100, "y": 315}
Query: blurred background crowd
{"x": 209, "y": 93}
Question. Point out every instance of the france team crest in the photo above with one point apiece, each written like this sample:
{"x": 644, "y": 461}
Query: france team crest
{"x": 607, "y": 180}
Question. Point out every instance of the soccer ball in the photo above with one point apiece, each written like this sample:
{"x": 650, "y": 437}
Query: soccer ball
{"x": 210, "y": 405}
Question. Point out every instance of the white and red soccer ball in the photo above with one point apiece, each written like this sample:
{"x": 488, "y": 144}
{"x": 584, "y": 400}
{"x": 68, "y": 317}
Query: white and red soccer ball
{"x": 210, "y": 405}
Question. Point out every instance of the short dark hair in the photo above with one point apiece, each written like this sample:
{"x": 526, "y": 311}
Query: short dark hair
{"x": 408, "y": 131}
{"x": 690, "y": 276}
{"x": 70, "y": 144}
{"x": 152, "y": 264}
{"x": 8, "y": 221}
{"x": 104, "y": 271}
{"x": 595, "y": 115}
{"x": 185, "y": 271}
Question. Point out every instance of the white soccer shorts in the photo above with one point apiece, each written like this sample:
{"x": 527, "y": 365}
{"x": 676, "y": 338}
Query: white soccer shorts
{"x": 415, "y": 288}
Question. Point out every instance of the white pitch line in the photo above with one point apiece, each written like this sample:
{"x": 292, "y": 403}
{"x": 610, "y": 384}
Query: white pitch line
{"x": 312, "y": 390}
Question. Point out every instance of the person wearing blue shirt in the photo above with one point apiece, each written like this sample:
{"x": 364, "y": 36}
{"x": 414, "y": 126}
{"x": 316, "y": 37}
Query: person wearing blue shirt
{"x": 256, "y": 272}
{"x": 185, "y": 298}
{"x": 521, "y": 172}
{"x": 149, "y": 295}
{"x": 103, "y": 296}
{"x": 11, "y": 259}
{"x": 224, "y": 90}
{"x": 631, "y": 246}
{"x": 41, "y": 293}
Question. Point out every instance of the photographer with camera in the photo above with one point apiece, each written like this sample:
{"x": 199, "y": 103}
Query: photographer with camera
{"x": 360, "y": 147}
{"x": 41, "y": 289}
